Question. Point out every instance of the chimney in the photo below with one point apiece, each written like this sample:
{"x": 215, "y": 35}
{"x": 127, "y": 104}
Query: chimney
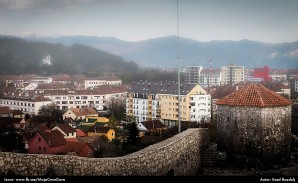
{"x": 236, "y": 88}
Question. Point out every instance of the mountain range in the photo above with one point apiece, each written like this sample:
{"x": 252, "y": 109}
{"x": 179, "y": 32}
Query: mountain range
{"x": 163, "y": 52}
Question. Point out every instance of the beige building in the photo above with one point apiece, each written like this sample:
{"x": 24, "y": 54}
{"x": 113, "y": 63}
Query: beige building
{"x": 149, "y": 101}
{"x": 232, "y": 74}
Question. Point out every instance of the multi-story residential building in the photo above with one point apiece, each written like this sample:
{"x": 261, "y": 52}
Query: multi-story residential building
{"x": 232, "y": 74}
{"x": 26, "y": 105}
{"x": 40, "y": 80}
{"x": 105, "y": 80}
{"x": 279, "y": 75}
{"x": 210, "y": 77}
{"x": 98, "y": 98}
{"x": 192, "y": 74}
{"x": 149, "y": 101}
{"x": 294, "y": 84}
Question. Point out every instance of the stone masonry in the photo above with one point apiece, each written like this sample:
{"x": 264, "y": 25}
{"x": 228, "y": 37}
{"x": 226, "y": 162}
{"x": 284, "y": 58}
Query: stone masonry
{"x": 180, "y": 155}
{"x": 257, "y": 132}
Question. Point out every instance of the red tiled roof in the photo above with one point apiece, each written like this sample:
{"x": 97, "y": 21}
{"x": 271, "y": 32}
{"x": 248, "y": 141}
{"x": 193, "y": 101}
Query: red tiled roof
{"x": 5, "y": 110}
{"x": 17, "y": 112}
{"x": 66, "y": 128}
{"x": 72, "y": 140}
{"x": 80, "y": 148}
{"x": 41, "y": 128}
{"x": 80, "y": 133}
{"x": 84, "y": 111}
{"x": 153, "y": 124}
{"x": 254, "y": 95}
{"x": 53, "y": 138}
{"x": 27, "y": 136}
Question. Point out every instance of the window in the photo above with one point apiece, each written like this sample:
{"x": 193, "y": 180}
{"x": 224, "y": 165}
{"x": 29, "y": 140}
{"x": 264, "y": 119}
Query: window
{"x": 39, "y": 148}
{"x": 39, "y": 139}
{"x": 44, "y": 149}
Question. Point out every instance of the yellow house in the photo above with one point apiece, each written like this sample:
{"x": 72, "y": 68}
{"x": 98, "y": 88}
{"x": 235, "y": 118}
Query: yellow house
{"x": 107, "y": 131}
{"x": 91, "y": 121}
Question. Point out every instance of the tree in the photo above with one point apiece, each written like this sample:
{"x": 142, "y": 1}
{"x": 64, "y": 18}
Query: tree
{"x": 52, "y": 112}
{"x": 117, "y": 107}
{"x": 133, "y": 139}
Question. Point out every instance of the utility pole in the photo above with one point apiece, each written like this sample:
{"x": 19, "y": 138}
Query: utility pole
{"x": 178, "y": 59}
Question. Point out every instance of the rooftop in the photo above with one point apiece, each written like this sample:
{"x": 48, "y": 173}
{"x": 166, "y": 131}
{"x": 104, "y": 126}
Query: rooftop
{"x": 255, "y": 95}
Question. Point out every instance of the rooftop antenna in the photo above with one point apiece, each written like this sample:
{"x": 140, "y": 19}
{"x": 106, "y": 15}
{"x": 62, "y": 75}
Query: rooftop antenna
{"x": 178, "y": 60}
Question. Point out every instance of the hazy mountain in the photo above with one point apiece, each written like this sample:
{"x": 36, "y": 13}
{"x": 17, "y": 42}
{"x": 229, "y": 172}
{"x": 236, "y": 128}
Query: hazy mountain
{"x": 162, "y": 52}
{"x": 19, "y": 56}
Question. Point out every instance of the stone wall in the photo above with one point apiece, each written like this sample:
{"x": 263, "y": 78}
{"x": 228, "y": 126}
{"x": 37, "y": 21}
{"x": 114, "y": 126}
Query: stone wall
{"x": 180, "y": 155}
{"x": 262, "y": 133}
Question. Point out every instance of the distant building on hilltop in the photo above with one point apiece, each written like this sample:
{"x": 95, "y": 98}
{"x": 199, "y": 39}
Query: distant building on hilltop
{"x": 255, "y": 122}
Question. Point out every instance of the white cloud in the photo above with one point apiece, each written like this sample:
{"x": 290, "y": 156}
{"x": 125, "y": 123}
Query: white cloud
{"x": 17, "y": 4}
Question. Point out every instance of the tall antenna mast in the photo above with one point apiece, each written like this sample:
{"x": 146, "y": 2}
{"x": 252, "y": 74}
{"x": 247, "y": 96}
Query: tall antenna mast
{"x": 178, "y": 59}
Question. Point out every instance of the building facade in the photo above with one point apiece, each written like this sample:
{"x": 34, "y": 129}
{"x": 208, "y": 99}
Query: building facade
{"x": 192, "y": 74}
{"x": 30, "y": 106}
{"x": 150, "y": 101}
{"x": 210, "y": 77}
{"x": 232, "y": 74}
{"x": 94, "y": 82}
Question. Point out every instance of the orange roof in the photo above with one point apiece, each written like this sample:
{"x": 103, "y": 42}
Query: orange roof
{"x": 84, "y": 111}
{"x": 254, "y": 95}
{"x": 80, "y": 148}
{"x": 4, "y": 110}
{"x": 80, "y": 133}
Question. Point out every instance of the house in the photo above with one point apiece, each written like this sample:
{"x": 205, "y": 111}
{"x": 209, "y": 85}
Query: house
{"x": 154, "y": 126}
{"x": 90, "y": 121}
{"x": 80, "y": 113}
{"x": 66, "y": 130}
{"x": 5, "y": 112}
{"x": 18, "y": 114}
{"x": 107, "y": 131}
{"x": 49, "y": 142}
{"x": 80, "y": 133}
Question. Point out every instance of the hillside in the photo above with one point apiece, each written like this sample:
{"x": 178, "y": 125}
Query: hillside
{"x": 161, "y": 52}
{"x": 19, "y": 56}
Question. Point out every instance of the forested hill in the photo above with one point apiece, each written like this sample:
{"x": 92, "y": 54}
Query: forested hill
{"x": 18, "y": 56}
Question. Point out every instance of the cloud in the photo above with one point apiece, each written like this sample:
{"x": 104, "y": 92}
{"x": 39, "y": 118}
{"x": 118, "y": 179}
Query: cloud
{"x": 17, "y": 4}
{"x": 41, "y": 4}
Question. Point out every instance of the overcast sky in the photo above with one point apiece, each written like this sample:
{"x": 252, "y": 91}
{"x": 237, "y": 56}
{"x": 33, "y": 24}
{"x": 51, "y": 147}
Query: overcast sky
{"x": 270, "y": 21}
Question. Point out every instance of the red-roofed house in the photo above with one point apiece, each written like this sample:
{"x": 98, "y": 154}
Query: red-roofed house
{"x": 255, "y": 121}
{"x": 66, "y": 130}
{"x": 5, "y": 112}
{"x": 50, "y": 142}
{"x": 80, "y": 133}
{"x": 80, "y": 148}
{"x": 80, "y": 113}
{"x": 154, "y": 125}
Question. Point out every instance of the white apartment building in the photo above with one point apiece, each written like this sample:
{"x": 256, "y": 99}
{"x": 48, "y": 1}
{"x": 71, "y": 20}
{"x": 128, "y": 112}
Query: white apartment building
{"x": 94, "y": 82}
{"x": 66, "y": 99}
{"x": 40, "y": 80}
{"x": 192, "y": 74}
{"x": 30, "y": 106}
{"x": 149, "y": 101}
{"x": 232, "y": 74}
{"x": 210, "y": 77}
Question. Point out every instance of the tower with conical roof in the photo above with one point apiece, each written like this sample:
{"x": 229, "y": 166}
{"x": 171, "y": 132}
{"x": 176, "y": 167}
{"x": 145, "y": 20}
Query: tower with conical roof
{"x": 255, "y": 122}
